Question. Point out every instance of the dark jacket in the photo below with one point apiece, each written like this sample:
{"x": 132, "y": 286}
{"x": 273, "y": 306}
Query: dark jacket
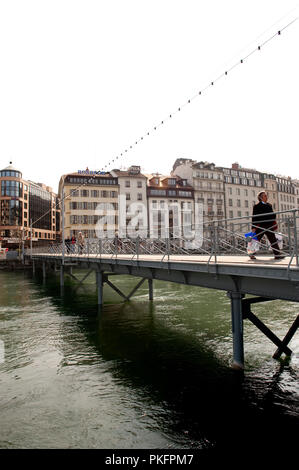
{"x": 266, "y": 220}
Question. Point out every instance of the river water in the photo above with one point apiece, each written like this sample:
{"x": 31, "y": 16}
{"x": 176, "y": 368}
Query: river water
{"x": 139, "y": 374}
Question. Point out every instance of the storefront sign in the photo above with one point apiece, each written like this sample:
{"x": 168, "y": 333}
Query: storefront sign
{"x": 90, "y": 172}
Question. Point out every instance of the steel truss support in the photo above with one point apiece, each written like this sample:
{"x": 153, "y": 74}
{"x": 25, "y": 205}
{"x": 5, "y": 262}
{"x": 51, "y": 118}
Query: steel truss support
{"x": 99, "y": 279}
{"x": 61, "y": 275}
{"x": 282, "y": 345}
{"x": 237, "y": 329}
{"x": 150, "y": 289}
{"x": 44, "y": 271}
{"x": 116, "y": 289}
{"x": 80, "y": 281}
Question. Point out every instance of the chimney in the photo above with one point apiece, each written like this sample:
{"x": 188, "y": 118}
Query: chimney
{"x": 235, "y": 166}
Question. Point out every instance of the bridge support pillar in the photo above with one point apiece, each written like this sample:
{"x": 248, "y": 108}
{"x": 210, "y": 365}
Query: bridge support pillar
{"x": 61, "y": 275}
{"x": 150, "y": 289}
{"x": 237, "y": 330}
{"x": 44, "y": 270}
{"x": 100, "y": 283}
{"x": 33, "y": 267}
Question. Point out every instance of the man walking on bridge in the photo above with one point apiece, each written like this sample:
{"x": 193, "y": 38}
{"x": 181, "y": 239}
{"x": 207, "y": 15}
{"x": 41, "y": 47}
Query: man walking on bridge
{"x": 265, "y": 223}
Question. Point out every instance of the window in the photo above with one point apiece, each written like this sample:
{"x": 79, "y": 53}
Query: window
{"x": 171, "y": 181}
{"x": 128, "y": 196}
{"x": 230, "y": 202}
{"x": 127, "y": 184}
{"x": 246, "y": 203}
{"x": 139, "y": 184}
{"x": 139, "y": 196}
{"x": 158, "y": 192}
{"x": 238, "y": 203}
{"x": 84, "y": 193}
{"x": 231, "y": 214}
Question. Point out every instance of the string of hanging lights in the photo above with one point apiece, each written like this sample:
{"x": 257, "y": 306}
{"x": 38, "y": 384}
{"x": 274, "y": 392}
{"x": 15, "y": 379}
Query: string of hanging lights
{"x": 176, "y": 111}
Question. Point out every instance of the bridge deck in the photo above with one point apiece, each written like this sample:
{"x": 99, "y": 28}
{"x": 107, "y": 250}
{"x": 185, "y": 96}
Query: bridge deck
{"x": 221, "y": 259}
{"x": 264, "y": 277}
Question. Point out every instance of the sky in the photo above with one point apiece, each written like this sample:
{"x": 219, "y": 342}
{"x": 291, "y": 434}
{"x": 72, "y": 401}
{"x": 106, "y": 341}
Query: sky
{"x": 82, "y": 81}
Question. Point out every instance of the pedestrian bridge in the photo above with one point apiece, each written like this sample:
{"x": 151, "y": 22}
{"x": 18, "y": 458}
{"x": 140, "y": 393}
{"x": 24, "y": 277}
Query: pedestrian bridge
{"x": 219, "y": 260}
{"x": 265, "y": 279}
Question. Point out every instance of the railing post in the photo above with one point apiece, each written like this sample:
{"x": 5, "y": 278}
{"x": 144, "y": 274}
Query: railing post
{"x": 62, "y": 220}
{"x": 168, "y": 248}
{"x": 137, "y": 246}
{"x": 31, "y": 238}
{"x": 295, "y": 237}
{"x": 289, "y": 235}
{"x": 100, "y": 248}
{"x": 216, "y": 240}
{"x": 234, "y": 239}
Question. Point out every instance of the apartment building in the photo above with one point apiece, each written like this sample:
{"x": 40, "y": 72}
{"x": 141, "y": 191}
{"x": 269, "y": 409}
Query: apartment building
{"x": 24, "y": 202}
{"x": 271, "y": 187}
{"x": 133, "y": 215}
{"x": 286, "y": 193}
{"x": 242, "y": 186}
{"x": 208, "y": 183}
{"x": 170, "y": 206}
{"x": 90, "y": 204}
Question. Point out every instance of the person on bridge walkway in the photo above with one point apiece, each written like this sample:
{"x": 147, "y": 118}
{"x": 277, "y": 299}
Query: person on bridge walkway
{"x": 81, "y": 242}
{"x": 265, "y": 224}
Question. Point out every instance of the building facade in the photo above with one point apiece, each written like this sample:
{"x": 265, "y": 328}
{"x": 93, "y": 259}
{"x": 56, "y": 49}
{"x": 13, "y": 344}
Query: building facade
{"x": 24, "y": 203}
{"x": 208, "y": 184}
{"x": 132, "y": 204}
{"x": 90, "y": 204}
{"x": 170, "y": 206}
{"x": 242, "y": 186}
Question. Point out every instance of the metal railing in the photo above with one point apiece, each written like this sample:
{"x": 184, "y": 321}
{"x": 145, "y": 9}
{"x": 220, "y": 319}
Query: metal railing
{"x": 212, "y": 239}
